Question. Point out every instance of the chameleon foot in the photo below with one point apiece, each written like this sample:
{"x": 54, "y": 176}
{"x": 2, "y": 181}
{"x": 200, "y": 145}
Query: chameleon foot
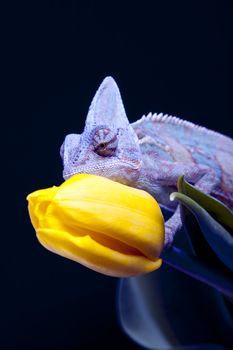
{"x": 169, "y": 236}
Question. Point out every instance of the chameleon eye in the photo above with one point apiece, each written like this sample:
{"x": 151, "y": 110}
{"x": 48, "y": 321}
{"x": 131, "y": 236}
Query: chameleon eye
{"x": 105, "y": 142}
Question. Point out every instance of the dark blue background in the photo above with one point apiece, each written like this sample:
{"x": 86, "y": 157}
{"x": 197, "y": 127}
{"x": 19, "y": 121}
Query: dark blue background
{"x": 166, "y": 56}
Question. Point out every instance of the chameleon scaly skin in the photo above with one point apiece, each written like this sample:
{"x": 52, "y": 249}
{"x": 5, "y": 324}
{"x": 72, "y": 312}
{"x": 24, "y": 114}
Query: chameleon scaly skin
{"x": 149, "y": 154}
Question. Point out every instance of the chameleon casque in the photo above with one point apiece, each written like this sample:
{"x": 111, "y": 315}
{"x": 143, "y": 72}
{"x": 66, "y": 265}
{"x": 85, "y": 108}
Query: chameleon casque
{"x": 149, "y": 154}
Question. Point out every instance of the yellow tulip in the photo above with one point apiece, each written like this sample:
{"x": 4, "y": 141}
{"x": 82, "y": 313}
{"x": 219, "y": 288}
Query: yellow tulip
{"x": 109, "y": 227}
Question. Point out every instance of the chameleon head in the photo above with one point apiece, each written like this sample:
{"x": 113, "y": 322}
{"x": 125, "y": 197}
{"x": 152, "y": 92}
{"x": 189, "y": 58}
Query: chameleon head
{"x": 108, "y": 145}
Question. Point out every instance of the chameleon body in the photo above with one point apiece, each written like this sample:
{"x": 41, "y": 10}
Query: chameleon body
{"x": 149, "y": 154}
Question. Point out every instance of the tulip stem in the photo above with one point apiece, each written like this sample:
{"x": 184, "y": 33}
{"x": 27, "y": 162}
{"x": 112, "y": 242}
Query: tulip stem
{"x": 198, "y": 269}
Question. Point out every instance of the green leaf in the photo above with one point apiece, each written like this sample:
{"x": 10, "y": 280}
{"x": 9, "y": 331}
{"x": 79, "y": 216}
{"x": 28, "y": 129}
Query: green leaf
{"x": 215, "y": 208}
{"x": 219, "y": 239}
{"x": 155, "y": 309}
{"x": 200, "y": 270}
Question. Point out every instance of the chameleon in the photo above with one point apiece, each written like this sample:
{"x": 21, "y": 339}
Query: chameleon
{"x": 149, "y": 154}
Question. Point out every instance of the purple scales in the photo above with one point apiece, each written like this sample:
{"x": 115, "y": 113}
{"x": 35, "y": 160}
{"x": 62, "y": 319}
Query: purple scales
{"x": 149, "y": 154}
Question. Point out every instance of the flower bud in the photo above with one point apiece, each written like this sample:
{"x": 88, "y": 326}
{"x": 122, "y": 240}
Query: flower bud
{"x": 109, "y": 227}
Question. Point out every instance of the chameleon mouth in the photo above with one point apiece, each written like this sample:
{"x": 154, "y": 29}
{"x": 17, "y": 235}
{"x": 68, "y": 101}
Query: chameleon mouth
{"x": 101, "y": 171}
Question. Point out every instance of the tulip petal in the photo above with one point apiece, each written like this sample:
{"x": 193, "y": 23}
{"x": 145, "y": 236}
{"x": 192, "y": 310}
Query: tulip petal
{"x": 94, "y": 255}
{"x": 113, "y": 209}
{"x": 109, "y": 227}
{"x": 38, "y": 202}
